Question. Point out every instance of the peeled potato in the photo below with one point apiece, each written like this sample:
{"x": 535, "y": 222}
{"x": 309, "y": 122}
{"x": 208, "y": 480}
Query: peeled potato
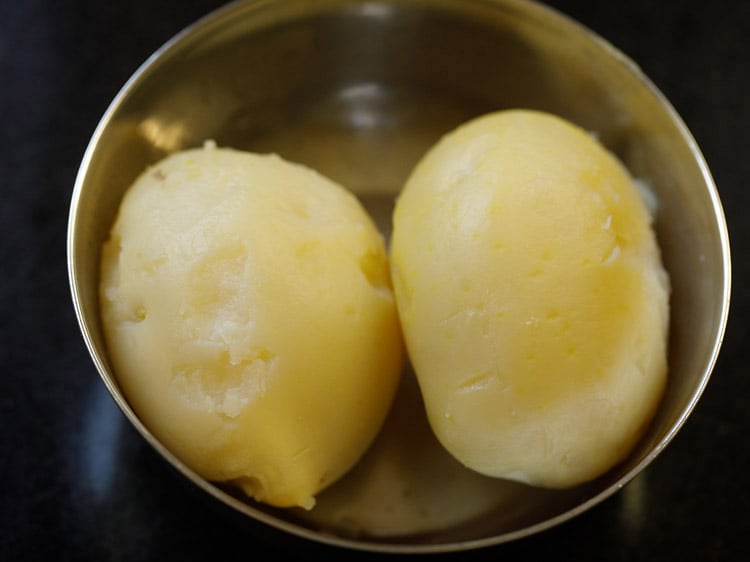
{"x": 249, "y": 318}
{"x": 532, "y": 298}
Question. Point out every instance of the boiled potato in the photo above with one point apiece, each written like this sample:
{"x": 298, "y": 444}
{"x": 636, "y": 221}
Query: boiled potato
{"x": 532, "y": 298}
{"x": 250, "y": 321}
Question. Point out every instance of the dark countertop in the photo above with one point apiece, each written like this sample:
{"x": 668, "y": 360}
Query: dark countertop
{"x": 78, "y": 483}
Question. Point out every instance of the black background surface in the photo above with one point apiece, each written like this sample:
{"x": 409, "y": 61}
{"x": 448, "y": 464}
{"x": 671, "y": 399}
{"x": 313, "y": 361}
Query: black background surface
{"x": 78, "y": 483}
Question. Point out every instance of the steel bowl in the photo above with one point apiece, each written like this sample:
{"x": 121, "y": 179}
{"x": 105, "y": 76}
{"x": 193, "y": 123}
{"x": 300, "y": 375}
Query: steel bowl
{"x": 359, "y": 90}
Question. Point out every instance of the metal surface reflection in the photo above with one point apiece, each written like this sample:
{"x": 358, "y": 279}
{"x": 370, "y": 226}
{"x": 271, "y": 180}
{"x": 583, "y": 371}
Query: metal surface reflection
{"x": 363, "y": 100}
{"x": 634, "y": 506}
{"x": 102, "y": 428}
{"x": 163, "y": 135}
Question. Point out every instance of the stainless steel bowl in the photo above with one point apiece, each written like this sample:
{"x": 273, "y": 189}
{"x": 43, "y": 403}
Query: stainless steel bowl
{"x": 359, "y": 90}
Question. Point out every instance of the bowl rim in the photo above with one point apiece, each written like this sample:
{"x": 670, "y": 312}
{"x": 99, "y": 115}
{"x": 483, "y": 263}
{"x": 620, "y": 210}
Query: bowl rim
{"x": 215, "y": 18}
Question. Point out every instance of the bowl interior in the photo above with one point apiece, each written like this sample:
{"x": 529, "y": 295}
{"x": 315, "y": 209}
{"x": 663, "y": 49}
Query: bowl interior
{"x": 359, "y": 90}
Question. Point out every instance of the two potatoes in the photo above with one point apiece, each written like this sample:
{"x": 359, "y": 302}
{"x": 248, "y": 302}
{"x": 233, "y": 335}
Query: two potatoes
{"x": 256, "y": 321}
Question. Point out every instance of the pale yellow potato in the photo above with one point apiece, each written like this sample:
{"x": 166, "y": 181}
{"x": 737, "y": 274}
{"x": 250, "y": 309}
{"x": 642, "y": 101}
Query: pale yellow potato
{"x": 532, "y": 298}
{"x": 249, "y": 318}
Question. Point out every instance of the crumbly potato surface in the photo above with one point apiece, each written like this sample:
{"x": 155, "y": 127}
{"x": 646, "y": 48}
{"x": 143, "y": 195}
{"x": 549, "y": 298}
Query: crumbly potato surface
{"x": 250, "y": 320}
